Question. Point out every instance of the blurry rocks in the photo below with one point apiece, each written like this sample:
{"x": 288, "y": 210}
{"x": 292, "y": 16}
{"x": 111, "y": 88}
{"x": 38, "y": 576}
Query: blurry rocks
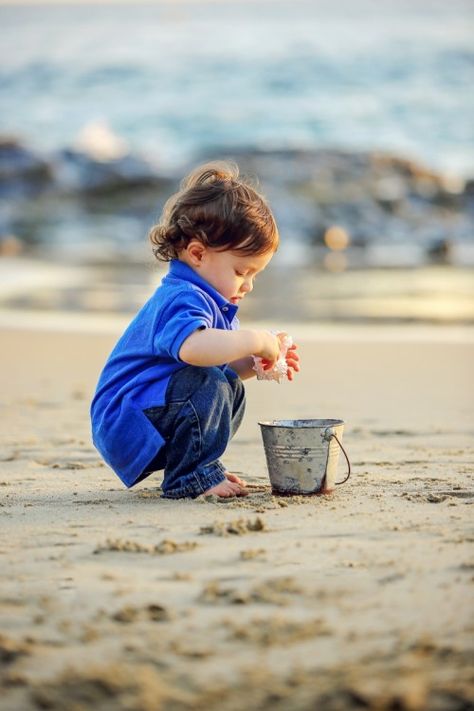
{"x": 78, "y": 172}
{"x": 79, "y": 200}
{"x": 393, "y": 210}
{"x": 23, "y": 173}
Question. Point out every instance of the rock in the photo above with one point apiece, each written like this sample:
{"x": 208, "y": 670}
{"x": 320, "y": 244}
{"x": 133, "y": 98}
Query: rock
{"x": 77, "y": 172}
{"x": 440, "y": 250}
{"x": 22, "y": 172}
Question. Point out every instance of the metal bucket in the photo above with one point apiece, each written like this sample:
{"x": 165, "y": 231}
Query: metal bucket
{"x": 302, "y": 455}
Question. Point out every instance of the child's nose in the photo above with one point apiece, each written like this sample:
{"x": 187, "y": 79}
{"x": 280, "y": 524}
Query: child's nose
{"x": 247, "y": 285}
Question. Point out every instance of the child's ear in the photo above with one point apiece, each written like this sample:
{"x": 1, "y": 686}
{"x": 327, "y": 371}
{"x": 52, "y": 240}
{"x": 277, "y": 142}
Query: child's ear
{"x": 196, "y": 251}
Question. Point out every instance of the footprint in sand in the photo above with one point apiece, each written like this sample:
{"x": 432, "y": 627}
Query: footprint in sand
{"x": 152, "y": 612}
{"x": 278, "y": 630}
{"x": 275, "y": 591}
{"x": 165, "y": 547}
{"x": 237, "y": 527}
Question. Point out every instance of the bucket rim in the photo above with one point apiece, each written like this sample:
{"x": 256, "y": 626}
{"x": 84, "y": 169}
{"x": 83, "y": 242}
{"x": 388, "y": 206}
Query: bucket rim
{"x": 302, "y": 423}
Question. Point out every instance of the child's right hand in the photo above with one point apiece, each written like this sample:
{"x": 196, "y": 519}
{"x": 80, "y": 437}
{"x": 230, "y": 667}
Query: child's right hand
{"x": 270, "y": 348}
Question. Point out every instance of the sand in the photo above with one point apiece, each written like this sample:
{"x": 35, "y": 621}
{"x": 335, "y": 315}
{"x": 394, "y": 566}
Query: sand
{"x": 115, "y": 599}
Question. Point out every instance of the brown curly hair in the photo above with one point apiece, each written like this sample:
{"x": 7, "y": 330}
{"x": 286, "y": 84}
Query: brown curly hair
{"x": 220, "y": 210}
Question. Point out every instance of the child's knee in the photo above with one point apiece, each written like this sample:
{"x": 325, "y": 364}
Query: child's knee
{"x": 214, "y": 398}
{"x": 213, "y": 380}
{"x": 211, "y": 393}
{"x": 216, "y": 388}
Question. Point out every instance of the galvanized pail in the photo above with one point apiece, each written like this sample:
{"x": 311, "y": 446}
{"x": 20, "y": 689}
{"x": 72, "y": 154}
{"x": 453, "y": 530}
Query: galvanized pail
{"x": 302, "y": 455}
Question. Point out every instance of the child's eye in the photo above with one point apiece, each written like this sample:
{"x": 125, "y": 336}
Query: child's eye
{"x": 241, "y": 274}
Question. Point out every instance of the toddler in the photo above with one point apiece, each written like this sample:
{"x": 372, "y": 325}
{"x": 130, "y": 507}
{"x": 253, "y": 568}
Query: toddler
{"x": 171, "y": 394}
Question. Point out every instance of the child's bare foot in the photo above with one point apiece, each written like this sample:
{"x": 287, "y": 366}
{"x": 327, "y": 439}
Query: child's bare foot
{"x": 235, "y": 479}
{"x": 226, "y": 489}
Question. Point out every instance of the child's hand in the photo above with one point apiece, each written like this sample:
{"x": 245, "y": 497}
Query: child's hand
{"x": 292, "y": 361}
{"x": 292, "y": 358}
{"x": 270, "y": 349}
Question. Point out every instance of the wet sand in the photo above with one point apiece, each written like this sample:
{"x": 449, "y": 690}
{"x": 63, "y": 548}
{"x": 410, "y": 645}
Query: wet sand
{"x": 117, "y": 599}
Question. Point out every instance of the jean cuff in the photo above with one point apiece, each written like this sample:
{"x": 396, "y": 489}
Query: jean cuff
{"x": 196, "y": 483}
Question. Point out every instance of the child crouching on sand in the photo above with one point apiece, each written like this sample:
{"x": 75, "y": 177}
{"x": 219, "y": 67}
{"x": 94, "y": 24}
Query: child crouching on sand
{"x": 171, "y": 394}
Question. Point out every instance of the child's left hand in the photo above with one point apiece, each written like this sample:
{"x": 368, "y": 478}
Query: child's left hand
{"x": 292, "y": 361}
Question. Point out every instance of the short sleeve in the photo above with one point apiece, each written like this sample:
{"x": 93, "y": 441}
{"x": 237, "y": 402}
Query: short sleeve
{"x": 186, "y": 313}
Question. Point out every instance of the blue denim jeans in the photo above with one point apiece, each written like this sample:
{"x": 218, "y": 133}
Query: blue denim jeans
{"x": 204, "y": 408}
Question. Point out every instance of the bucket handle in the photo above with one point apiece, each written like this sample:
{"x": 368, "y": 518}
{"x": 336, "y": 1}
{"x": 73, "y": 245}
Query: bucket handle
{"x": 328, "y": 435}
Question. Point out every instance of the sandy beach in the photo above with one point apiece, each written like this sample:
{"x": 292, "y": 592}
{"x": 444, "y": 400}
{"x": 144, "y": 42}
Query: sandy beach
{"x": 116, "y": 599}
{"x": 352, "y": 120}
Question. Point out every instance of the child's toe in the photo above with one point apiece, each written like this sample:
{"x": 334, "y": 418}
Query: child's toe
{"x": 235, "y": 479}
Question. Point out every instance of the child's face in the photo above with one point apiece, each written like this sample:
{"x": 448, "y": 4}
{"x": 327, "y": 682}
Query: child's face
{"x": 231, "y": 274}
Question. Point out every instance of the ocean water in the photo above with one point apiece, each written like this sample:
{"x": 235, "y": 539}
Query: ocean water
{"x": 175, "y": 79}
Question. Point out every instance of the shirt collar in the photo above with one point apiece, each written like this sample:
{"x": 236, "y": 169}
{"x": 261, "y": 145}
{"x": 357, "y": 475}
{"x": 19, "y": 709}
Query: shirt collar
{"x": 181, "y": 270}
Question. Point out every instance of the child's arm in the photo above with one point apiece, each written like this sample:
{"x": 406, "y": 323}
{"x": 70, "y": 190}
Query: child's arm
{"x": 214, "y": 346}
{"x": 244, "y": 367}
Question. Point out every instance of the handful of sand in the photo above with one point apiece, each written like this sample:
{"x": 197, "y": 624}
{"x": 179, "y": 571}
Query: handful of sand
{"x": 279, "y": 370}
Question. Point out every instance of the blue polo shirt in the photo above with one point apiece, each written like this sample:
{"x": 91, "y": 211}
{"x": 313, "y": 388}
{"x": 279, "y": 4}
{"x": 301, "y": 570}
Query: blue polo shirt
{"x": 138, "y": 370}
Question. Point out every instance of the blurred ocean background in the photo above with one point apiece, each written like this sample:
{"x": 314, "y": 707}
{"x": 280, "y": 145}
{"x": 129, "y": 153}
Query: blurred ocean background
{"x": 177, "y": 78}
{"x": 357, "y": 117}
